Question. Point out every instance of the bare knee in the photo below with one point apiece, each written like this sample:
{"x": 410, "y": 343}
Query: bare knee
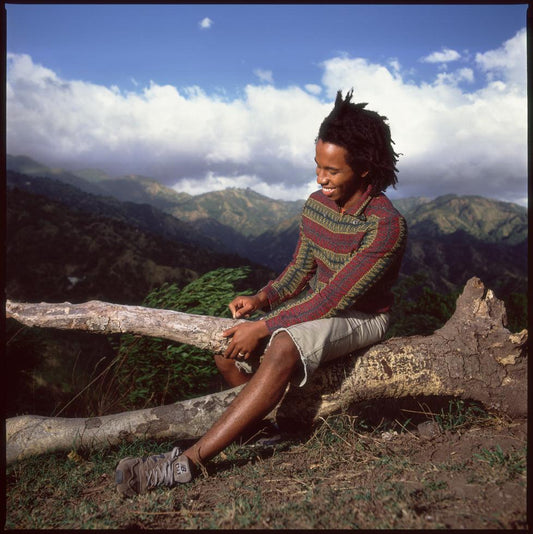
{"x": 227, "y": 368}
{"x": 223, "y": 364}
{"x": 282, "y": 353}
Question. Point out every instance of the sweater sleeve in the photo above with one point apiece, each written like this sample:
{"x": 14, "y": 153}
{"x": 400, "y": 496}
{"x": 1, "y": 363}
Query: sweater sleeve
{"x": 381, "y": 250}
{"x": 295, "y": 276}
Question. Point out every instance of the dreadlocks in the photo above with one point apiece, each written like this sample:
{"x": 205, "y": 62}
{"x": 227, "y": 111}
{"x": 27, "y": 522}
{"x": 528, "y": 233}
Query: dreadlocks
{"x": 367, "y": 139}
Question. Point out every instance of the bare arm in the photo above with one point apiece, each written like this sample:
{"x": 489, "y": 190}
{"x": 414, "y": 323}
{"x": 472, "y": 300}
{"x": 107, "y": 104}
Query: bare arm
{"x": 244, "y": 305}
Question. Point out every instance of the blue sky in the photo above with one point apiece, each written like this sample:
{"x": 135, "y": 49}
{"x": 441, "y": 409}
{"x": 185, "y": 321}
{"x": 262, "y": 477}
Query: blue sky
{"x": 203, "y": 97}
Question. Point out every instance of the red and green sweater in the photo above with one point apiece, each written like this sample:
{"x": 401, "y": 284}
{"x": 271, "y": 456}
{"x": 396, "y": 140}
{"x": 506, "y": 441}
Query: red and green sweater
{"x": 343, "y": 260}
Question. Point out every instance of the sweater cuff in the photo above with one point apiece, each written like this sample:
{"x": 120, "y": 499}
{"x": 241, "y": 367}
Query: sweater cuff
{"x": 271, "y": 294}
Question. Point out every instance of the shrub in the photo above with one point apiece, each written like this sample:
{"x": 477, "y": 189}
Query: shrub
{"x": 154, "y": 371}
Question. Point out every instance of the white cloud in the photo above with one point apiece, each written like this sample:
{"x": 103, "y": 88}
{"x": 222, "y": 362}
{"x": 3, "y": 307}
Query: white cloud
{"x": 454, "y": 140}
{"x": 264, "y": 75}
{"x": 394, "y": 65}
{"x": 205, "y": 23}
{"x": 444, "y": 56}
{"x": 454, "y": 78}
{"x": 313, "y": 88}
{"x": 217, "y": 182}
{"x": 507, "y": 62}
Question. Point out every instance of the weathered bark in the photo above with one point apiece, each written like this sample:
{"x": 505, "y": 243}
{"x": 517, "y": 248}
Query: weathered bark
{"x": 104, "y": 318}
{"x": 30, "y": 435}
{"x": 472, "y": 357}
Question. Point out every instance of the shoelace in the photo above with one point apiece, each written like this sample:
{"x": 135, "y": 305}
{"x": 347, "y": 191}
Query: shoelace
{"x": 162, "y": 473}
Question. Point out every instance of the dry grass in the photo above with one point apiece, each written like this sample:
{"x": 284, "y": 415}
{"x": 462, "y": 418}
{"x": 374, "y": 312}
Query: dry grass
{"x": 344, "y": 475}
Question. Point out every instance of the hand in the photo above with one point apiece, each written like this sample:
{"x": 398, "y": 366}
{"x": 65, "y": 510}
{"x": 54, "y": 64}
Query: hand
{"x": 245, "y": 338}
{"x": 244, "y": 305}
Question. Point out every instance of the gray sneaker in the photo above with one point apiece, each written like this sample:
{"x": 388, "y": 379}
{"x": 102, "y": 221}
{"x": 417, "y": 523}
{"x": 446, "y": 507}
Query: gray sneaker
{"x": 134, "y": 476}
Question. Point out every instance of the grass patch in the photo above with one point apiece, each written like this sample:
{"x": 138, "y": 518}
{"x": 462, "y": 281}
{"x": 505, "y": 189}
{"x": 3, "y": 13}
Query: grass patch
{"x": 460, "y": 414}
{"x": 343, "y": 475}
{"x": 514, "y": 463}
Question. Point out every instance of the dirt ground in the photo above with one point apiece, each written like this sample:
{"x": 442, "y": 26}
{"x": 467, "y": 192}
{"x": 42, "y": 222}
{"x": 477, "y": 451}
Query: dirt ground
{"x": 337, "y": 478}
{"x": 390, "y": 481}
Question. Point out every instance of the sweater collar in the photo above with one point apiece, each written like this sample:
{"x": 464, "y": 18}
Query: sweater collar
{"x": 358, "y": 209}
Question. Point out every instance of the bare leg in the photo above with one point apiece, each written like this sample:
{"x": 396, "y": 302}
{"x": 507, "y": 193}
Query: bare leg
{"x": 230, "y": 372}
{"x": 257, "y": 399}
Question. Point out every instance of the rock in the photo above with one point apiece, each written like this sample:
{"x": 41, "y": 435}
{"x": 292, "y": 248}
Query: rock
{"x": 428, "y": 430}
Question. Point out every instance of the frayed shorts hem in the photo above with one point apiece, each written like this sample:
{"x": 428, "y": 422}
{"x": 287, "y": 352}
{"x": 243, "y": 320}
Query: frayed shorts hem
{"x": 327, "y": 339}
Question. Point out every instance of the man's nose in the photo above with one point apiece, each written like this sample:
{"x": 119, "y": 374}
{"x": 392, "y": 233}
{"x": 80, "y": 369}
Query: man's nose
{"x": 321, "y": 176}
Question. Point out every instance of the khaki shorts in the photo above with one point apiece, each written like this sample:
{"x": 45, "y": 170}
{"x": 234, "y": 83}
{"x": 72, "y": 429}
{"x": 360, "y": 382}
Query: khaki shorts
{"x": 327, "y": 339}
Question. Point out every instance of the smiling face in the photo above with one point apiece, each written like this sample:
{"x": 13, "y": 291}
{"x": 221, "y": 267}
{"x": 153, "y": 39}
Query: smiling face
{"x": 338, "y": 180}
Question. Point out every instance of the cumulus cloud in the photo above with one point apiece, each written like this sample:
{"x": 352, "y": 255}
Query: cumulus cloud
{"x": 453, "y": 140}
{"x": 446, "y": 55}
{"x": 454, "y": 78}
{"x": 205, "y": 23}
{"x": 507, "y": 62}
{"x": 264, "y": 75}
{"x": 313, "y": 88}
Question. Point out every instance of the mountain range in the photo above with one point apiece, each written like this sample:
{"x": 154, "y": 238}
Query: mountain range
{"x": 142, "y": 233}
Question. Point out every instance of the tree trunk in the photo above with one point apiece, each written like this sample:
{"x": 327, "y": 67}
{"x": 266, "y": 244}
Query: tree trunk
{"x": 473, "y": 356}
{"x": 104, "y": 318}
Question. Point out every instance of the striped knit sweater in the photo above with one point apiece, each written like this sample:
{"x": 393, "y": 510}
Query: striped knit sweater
{"x": 343, "y": 260}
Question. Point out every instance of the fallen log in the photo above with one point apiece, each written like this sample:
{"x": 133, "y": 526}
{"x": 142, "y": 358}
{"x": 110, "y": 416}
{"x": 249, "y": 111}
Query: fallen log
{"x": 31, "y": 435}
{"x": 202, "y": 331}
{"x": 473, "y": 356}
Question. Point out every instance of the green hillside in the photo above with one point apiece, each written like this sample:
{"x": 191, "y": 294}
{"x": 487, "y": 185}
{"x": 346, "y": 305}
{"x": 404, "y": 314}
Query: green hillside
{"x": 54, "y": 253}
{"x": 29, "y": 167}
{"x": 244, "y": 210}
{"x": 485, "y": 219}
{"x": 140, "y": 215}
{"x": 450, "y": 238}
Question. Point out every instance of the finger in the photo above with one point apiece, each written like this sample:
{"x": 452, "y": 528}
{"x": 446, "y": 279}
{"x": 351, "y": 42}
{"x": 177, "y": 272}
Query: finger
{"x": 235, "y": 354}
{"x": 233, "y": 310}
{"x": 238, "y": 312}
{"x": 244, "y": 311}
{"x": 234, "y": 305}
{"x": 242, "y": 355}
{"x": 229, "y": 351}
{"x": 229, "y": 332}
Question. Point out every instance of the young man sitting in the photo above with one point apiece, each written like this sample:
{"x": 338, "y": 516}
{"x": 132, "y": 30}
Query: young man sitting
{"x": 333, "y": 298}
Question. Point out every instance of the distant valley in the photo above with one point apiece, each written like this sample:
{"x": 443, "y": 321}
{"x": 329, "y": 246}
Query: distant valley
{"x": 85, "y": 235}
{"x": 451, "y": 238}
